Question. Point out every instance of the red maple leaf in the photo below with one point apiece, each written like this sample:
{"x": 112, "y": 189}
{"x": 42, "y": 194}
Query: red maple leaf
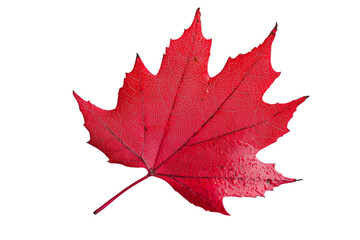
{"x": 197, "y": 133}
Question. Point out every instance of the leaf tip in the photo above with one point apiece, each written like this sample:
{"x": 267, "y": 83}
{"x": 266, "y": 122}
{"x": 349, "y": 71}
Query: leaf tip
{"x": 138, "y": 62}
{"x": 197, "y": 17}
{"x": 197, "y": 11}
{"x": 78, "y": 98}
{"x": 225, "y": 212}
{"x": 274, "y": 30}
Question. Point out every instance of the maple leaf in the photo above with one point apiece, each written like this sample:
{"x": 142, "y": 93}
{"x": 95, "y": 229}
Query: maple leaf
{"x": 199, "y": 134}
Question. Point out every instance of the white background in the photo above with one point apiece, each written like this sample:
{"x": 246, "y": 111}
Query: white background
{"x": 51, "y": 180}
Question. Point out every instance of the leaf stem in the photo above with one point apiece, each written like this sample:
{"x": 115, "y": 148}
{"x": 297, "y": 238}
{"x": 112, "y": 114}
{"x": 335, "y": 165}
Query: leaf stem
{"x": 120, "y": 193}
